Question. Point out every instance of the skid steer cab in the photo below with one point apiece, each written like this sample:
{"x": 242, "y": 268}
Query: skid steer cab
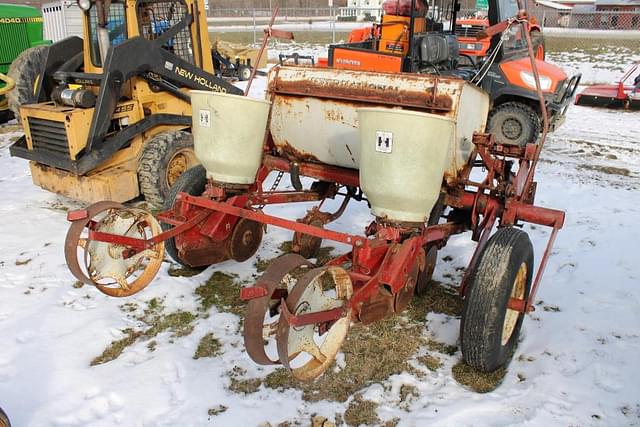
{"x": 414, "y": 36}
{"x": 109, "y": 116}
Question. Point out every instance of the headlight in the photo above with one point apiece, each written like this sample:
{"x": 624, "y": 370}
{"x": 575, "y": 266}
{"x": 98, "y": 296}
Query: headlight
{"x": 84, "y": 4}
{"x": 529, "y": 80}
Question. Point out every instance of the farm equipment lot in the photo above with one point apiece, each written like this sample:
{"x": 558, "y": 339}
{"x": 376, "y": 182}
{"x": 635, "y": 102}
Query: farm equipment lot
{"x": 60, "y": 361}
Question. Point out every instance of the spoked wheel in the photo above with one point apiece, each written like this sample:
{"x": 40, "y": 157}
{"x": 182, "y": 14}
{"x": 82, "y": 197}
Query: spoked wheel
{"x": 261, "y": 316}
{"x": 109, "y": 266}
{"x": 307, "y": 351}
{"x": 489, "y": 329}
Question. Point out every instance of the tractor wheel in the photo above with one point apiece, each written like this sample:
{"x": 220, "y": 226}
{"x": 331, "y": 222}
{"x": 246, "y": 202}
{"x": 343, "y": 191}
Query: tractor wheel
{"x": 489, "y": 330}
{"x": 165, "y": 157}
{"x": 244, "y": 72}
{"x": 192, "y": 182}
{"x": 430, "y": 251}
{"x": 537, "y": 42}
{"x": 25, "y": 71}
{"x": 5, "y": 116}
{"x": 514, "y": 123}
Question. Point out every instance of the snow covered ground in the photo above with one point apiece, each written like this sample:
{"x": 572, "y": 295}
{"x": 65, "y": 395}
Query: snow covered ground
{"x": 577, "y": 363}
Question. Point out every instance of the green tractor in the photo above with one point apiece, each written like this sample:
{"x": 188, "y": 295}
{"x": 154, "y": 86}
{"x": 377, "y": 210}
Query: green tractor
{"x": 21, "y": 27}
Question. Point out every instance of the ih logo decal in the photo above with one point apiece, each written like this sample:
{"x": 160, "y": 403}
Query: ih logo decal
{"x": 384, "y": 141}
{"x": 205, "y": 118}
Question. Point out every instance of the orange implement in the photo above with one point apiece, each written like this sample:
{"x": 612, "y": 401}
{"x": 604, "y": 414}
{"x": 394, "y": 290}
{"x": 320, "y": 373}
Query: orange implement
{"x": 352, "y": 59}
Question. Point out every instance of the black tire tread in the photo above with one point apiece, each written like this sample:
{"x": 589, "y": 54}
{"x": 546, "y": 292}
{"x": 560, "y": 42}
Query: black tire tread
{"x": 23, "y": 71}
{"x": 528, "y": 114}
{"x": 152, "y": 167}
{"x": 192, "y": 182}
{"x": 486, "y": 287}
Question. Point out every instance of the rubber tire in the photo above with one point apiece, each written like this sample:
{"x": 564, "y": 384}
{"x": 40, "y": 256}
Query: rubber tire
{"x": 523, "y": 114}
{"x": 430, "y": 251}
{"x": 537, "y": 41}
{"x": 152, "y": 168}
{"x": 485, "y": 303}
{"x": 192, "y": 182}
{"x": 244, "y": 73}
{"x": 5, "y": 116}
{"x": 24, "y": 70}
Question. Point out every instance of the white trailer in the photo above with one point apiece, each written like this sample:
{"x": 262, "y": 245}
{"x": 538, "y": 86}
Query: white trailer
{"x": 62, "y": 19}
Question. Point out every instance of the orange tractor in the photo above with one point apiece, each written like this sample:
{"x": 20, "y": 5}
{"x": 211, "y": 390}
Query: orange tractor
{"x": 468, "y": 29}
{"x": 427, "y": 40}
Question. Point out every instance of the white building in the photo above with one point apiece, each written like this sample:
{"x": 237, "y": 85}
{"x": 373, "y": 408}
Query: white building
{"x": 362, "y": 10}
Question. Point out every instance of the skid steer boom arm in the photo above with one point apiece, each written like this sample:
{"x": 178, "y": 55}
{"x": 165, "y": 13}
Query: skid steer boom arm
{"x": 136, "y": 57}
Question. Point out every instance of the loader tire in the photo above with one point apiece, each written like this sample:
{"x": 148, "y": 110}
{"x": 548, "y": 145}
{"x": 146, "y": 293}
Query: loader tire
{"x": 25, "y": 71}
{"x": 489, "y": 330}
{"x": 165, "y": 157}
{"x": 514, "y": 123}
{"x": 5, "y": 116}
{"x": 192, "y": 182}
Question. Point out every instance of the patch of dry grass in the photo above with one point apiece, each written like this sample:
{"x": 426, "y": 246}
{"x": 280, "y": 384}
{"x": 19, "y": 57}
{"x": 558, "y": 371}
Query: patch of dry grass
{"x": 222, "y": 291}
{"x": 408, "y": 393}
{"x": 432, "y": 363}
{"x": 285, "y": 247}
{"x": 240, "y": 384}
{"x": 372, "y": 354}
{"x": 480, "y": 382}
{"x": 216, "y": 410}
{"x": 448, "y": 349}
{"x": 209, "y": 346}
{"x": 115, "y": 349}
{"x": 437, "y": 299}
{"x": 177, "y": 271}
{"x": 180, "y": 323}
{"x": 262, "y": 264}
{"x": 361, "y": 411}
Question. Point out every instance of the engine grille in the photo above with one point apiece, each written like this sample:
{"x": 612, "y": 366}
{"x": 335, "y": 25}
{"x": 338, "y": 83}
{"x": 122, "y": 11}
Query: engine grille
{"x": 48, "y": 135}
{"x": 14, "y": 41}
{"x": 468, "y": 30}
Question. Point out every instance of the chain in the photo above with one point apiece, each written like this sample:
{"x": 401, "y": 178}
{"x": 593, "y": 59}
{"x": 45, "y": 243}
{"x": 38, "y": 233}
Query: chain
{"x": 276, "y": 182}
